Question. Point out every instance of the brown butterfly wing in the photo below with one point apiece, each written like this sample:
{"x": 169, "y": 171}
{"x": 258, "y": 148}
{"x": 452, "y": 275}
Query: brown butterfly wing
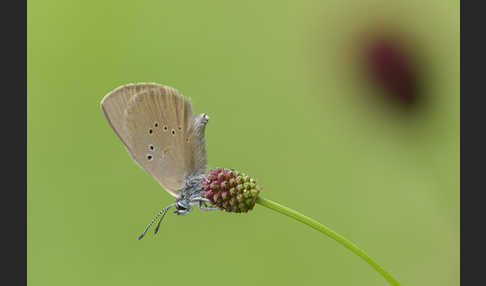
{"x": 196, "y": 146}
{"x": 160, "y": 131}
{"x": 115, "y": 103}
{"x": 159, "y": 125}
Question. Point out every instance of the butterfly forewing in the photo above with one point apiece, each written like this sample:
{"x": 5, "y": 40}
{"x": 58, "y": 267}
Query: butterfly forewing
{"x": 115, "y": 103}
{"x": 157, "y": 123}
{"x": 159, "y": 129}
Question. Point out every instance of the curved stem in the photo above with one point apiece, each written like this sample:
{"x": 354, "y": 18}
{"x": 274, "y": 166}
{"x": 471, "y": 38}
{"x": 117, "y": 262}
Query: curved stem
{"x": 329, "y": 232}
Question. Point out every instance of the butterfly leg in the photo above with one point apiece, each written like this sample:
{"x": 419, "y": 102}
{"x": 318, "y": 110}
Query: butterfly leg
{"x": 208, "y": 209}
{"x": 201, "y": 199}
{"x": 203, "y": 206}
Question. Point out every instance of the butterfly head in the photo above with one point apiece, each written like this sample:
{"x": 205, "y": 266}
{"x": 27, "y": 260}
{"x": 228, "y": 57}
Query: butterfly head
{"x": 183, "y": 206}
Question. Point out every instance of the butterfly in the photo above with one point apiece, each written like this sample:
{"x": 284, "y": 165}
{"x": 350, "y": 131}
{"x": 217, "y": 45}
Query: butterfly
{"x": 163, "y": 135}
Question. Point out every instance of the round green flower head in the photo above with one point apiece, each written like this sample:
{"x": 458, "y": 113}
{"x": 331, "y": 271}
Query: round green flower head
{"x": 230, "y": 190}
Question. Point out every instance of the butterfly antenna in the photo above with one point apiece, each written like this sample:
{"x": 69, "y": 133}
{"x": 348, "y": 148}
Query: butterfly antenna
{"x": 162, "y": 212}
{"x": 160, "y": 220}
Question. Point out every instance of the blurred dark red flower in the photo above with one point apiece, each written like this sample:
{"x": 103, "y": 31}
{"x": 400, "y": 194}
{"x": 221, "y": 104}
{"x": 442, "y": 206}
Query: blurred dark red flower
{"x": 391, "y": 66}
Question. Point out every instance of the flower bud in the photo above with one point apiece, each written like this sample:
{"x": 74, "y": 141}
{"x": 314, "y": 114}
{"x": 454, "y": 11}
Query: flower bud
{"x": 230, "y": 190}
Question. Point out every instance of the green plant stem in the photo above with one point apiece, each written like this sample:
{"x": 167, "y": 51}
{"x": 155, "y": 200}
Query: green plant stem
{"x": 329, "y": 232}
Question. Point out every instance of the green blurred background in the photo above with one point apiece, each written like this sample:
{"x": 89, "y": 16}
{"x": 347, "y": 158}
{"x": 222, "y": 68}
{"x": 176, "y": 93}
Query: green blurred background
{"x": 285, "y": 107}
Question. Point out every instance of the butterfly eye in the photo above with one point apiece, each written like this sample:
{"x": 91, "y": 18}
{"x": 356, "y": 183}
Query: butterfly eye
{"x": 151, "y": 131}
{"x": 187, "y": 139}
{"x": 156, "y": 124}
{"x": 180, "y": 128}
{"x": 151, "y": 147}
{"x": 149, "y": 157}
{"x": 173, "y": 132}
{"x": 166, "y": 128}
